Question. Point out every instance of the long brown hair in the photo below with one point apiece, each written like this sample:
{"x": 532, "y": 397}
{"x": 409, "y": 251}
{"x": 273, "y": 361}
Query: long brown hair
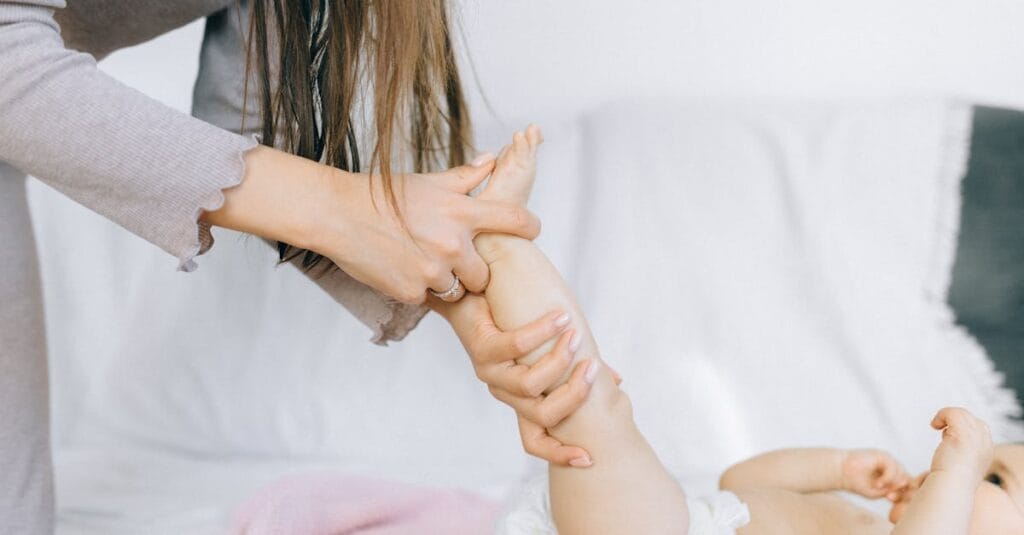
{"x": 326, "y": 52}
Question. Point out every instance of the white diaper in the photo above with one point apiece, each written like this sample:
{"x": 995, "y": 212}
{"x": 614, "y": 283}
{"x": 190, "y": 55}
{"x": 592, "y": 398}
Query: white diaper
{"x": 721, "y": 513}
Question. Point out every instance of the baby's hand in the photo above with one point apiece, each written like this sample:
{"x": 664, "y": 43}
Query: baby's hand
{"x": 966, "y": 446}
{"x": 873, "y": 474}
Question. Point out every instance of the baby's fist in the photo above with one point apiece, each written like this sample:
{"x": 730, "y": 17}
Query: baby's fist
{"x": 966, "y": 446}
{"x": 873, "y": 474}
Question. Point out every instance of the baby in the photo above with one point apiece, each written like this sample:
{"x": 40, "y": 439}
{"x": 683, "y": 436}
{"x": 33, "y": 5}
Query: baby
{"x": 626, "y": 490}
{"x": 971, "y": 488}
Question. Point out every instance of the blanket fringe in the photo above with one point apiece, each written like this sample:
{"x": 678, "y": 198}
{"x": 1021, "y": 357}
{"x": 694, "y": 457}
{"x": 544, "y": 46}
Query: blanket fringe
{"x": 1005, "y": 410}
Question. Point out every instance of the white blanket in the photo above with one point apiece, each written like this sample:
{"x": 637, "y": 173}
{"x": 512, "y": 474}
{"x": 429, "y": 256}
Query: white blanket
{"x": 775, "y": 275}
{"x": 762, "y": 275}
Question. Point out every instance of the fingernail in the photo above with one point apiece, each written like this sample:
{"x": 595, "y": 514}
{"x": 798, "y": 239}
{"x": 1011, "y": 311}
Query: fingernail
{"x": 482, "y": 159}
{"x": 591, "y": 375}
{"x": 563, "y": 320}
{"x": 581, "y": 462}
{"x": 574, "y": 343}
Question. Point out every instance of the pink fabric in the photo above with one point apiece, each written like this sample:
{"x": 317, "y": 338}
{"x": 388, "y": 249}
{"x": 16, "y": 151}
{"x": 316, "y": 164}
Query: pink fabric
{"x": 330, "y": 504}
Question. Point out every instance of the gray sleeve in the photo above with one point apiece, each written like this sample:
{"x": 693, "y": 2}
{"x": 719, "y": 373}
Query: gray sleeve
{"x": 147, "y": 167}
{"x": 388, "y": 319}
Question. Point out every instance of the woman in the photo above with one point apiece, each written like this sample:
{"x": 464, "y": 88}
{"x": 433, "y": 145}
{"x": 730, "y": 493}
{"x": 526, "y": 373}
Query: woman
{"x": 169, "y": 177}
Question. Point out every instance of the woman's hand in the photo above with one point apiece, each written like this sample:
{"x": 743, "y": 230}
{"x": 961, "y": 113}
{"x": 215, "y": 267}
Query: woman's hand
{"x": 493, "y": 353}
{"x": 366, "y": 239}
{"x": 347, "y": 218}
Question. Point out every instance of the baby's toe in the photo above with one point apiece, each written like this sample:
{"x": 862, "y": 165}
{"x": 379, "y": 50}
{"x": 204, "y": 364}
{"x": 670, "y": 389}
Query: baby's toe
{"x": 534, "y": 136}
{"x": 524, "y": 147}
{"x": 520, "y": 145}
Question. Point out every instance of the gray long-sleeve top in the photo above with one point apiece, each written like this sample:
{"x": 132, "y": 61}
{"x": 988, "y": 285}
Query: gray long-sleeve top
{"x": 147, "y": 167}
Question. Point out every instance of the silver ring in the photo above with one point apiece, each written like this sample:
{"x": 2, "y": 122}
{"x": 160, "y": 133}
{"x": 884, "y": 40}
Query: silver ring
{"x": 452, "y": 294}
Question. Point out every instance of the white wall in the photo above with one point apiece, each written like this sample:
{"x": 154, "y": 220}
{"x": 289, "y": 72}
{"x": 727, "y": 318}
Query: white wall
{"x": 537, "y": 57}
{"x": 542, "y": 57}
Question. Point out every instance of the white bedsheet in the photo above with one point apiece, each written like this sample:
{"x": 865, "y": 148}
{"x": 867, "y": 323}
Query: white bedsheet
{"x": 762, "y": 275}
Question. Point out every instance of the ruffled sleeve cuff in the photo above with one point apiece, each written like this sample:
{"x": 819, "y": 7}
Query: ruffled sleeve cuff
{"x": 389, "y": 320}
{"x": 226, "y": 171}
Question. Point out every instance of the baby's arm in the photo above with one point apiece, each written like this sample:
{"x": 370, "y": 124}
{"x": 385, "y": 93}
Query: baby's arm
{"x": 870, "y": 473}
{"x": 798, "y": 470}
{"x": 627, "y": 490}
{"x": 945, "y": 502}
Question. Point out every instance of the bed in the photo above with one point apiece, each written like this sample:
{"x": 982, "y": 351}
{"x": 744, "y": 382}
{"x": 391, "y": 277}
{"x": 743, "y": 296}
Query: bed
{"x": 763, "y": 274}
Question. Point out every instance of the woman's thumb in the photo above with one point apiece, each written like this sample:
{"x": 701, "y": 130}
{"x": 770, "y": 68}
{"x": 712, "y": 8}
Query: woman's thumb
{"x": 465, "y": 178}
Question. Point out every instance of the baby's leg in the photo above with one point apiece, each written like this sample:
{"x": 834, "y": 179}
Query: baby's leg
{"x": 627, "y": 490}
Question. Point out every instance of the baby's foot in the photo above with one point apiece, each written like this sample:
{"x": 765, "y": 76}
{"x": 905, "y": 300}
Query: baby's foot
{"x": 516, "y": 168}
{"x": 511, "y": 181}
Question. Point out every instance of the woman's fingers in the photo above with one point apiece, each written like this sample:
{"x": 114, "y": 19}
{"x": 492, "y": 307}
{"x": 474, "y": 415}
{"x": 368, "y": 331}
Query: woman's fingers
{"x": 439, "y": 279}
{"x": 537, "y": 442}
{"x": 502, "y": 217}
{"x": 550, "y": 410}
{"x": 530, "y": 381}
{"x": 564, "y": 400}
{"x": 499, "y": 346}
{"x": 524, "y": 340}
{"x": 472, "y": 270}
{"x": 465, "y": 178}
{"x": 547, "y": 371}
{"x": 485, "y": 342}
